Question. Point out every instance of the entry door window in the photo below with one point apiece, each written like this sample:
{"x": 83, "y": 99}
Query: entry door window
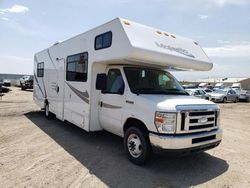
{"x": 115, "y": 83}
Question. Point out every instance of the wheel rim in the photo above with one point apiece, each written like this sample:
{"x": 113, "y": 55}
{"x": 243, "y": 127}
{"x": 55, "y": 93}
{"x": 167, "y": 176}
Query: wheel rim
{"x": 47, "y": 110}
{"x": 134, "y": 145}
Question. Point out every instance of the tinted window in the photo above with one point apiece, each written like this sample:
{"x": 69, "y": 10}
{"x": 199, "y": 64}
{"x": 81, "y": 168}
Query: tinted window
{"x": 202, "y": 92}
{"x": 40, "y": 69}
{"x": 77, "y": 67}
{"x": 103, "y": 41}
{"x": 152, "y": 81}
{"x": 115, "y": 83}
{"x": 197, "y": 92}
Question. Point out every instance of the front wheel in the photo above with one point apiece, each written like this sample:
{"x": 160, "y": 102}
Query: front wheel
{"x": 236, "y": 100}
{"x": 137, "y": 145}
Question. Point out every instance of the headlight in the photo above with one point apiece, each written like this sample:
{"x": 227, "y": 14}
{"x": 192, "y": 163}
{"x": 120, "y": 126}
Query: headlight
{"x": 165, "y": 122}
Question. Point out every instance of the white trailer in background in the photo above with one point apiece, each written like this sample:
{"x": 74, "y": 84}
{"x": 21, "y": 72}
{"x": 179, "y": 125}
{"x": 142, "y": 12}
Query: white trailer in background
{"x": 236, "y": 86}
{"x": 114, "y": 78}
{"x": 219, "y": 86}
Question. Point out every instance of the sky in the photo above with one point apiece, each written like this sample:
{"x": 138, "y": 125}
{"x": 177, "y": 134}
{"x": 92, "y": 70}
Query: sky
{"x": 222, "y": 28}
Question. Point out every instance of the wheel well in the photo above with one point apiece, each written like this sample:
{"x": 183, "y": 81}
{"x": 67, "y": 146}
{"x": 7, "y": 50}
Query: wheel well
{"x": 132, "y": 122}
{"x": 46, "y": 102}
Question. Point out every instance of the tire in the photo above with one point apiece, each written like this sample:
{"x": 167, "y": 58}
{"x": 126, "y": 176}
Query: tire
{"x": 137, "y": 145}
{"x": 236, "y": 100}
{"x": 224, "y": 100}
{"x": 47, "y": 113}
{"x": 23, "y": 88}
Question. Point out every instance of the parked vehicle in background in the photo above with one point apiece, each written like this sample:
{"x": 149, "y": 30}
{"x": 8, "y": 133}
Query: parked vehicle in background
{"x": 198, "y": 93}
{"x": 189, "y": 86}
{"x": 244, "y": 95}
{"x": 224, "y": 95}
{"x": 203, "y": 85}
{"x": 236, "y": 86}
{"x": 218, "y": 86}
{"x": 6, "y": 82}
{"x": 207, "y": 90}
{"x": 26, "y": 82}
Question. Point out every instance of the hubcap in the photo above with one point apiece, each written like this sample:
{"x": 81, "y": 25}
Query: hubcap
{"x": 134, "y": 145}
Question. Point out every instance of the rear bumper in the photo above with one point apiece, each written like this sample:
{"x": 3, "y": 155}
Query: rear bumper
{"x": 187, "y": 141}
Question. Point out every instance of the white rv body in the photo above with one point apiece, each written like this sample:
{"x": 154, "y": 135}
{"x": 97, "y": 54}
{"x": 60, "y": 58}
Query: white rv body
{"x": 132, "y": 44}
{"x": 236, "y": 86}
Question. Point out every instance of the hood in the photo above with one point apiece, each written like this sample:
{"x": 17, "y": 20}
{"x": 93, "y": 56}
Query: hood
{"x": 173, "y": 102}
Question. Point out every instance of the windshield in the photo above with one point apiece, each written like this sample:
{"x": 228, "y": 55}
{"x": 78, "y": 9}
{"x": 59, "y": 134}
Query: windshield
{"x": 220, "y": 91}
{"x": 152, "y": 81}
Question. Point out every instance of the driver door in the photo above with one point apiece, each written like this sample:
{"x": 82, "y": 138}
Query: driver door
{"x": 112, "y": 101}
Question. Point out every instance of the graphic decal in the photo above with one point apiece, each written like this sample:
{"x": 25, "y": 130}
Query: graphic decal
{"x": 83, "y": 95}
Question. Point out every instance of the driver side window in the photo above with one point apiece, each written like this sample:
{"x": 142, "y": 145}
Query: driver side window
{"x": 115, "y": 83}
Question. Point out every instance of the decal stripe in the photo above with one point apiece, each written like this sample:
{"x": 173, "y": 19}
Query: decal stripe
{"x": 39, "y": 85}
{"x": 83, "y": 95}
{"x": 51, "y": 59}
{"x": 106, "y": 105}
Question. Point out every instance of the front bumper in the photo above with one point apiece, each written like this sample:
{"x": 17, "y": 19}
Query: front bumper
{"x": 186, "y": 141}
{"x": 216, "y": 99}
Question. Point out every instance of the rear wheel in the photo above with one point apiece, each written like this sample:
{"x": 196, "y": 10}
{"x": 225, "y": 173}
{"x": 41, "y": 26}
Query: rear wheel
{"x": 48, "y": 114}
{"x": 137, "y": 145}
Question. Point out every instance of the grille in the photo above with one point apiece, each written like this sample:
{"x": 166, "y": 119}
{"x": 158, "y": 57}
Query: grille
{"x": 198, "y": 121}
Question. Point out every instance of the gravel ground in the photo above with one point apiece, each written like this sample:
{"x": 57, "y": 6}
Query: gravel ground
{"x": 36, "y": 152}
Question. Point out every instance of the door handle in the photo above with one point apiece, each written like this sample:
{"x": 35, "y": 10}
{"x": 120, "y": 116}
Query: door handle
{"x": 100, "y": 103}
{"x": 57, "y": 88}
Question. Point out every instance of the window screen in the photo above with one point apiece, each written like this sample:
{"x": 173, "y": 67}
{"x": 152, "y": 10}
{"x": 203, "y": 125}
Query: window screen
{"x": 40, "y": 69}
{"x": 103, "y": 41}
{"x": 77, "y": 67}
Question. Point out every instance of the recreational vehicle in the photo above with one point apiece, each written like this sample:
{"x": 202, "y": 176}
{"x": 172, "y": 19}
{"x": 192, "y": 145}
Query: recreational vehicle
{"x": 115, "y": 78}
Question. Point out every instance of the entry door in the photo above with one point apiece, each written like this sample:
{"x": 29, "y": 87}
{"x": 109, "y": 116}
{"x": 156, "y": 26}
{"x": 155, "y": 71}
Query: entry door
{"x": 56, "y": 89}
{"x": 112, "y": 102}
{"x": 60, "y": 84}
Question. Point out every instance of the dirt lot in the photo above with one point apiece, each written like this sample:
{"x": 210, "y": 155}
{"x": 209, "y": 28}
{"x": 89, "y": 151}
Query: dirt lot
{"x": 36, "y": 152}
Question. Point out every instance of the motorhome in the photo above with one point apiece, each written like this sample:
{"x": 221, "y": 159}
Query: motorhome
{"x": 115, "y": 78}
{"x": 218, "y": 86}
{"x": 236, "y": 86}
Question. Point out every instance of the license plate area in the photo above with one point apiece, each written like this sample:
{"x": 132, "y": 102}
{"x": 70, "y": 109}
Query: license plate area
{"x": 203, "y": 139}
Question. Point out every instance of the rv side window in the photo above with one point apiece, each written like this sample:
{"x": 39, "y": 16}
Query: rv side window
{"x": 40, "y": 69}
{"x": 77, "y": 67}
{"x": 103, "y": 41}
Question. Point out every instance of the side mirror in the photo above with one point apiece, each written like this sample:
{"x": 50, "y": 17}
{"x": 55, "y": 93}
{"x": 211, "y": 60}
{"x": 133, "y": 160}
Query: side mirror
{"x": 101, "y": 81}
